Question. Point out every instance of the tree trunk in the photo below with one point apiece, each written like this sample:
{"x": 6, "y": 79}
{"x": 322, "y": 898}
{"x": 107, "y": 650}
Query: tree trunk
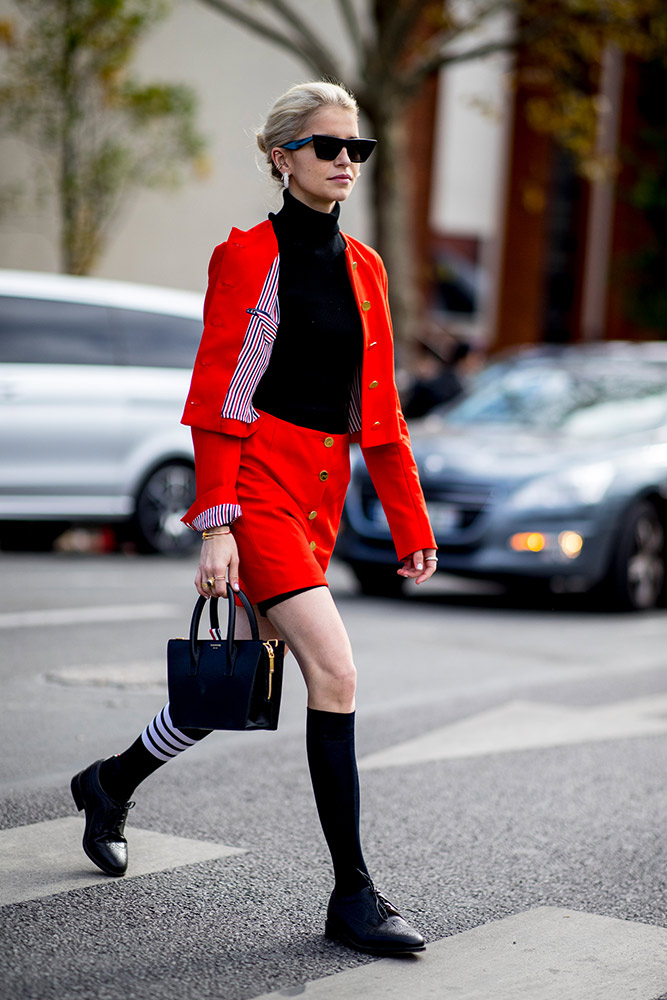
{"x": 68, "y": 206}
{"x": 393, "y": 227}
{"x": 67, "y": 172}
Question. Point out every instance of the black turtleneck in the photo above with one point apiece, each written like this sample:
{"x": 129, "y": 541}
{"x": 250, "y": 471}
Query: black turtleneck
{"x": 319, "y": 341}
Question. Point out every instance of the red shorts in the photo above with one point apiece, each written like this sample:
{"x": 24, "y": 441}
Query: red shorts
{"x": 291, "y": 487}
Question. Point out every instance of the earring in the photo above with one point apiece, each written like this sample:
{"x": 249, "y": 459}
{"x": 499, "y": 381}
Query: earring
{"x": 286, "y": 180}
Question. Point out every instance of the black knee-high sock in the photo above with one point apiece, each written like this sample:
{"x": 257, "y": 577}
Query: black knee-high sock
{"x": 160, "y": 741}
{"x": 333, "y": 771}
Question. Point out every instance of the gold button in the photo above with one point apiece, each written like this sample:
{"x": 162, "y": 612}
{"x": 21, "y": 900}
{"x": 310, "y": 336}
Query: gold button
{"x": 354, "y": 265}
{"x": 313, "y": 546}
{"x": 373, "y": 384}
{"x": 376, "y": 424}
{"x": 312, "y": 515}
{"x": 324, "y": 475}
{"x": 328, "y": 442}
{"x": 372, "y": 344}
{"x": 365, "y": 305}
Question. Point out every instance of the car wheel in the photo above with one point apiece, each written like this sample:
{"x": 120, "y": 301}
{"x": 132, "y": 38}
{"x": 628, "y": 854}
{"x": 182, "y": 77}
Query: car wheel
{"x": 378, "y": 580}
{"x": 161, "y": 503}
{"x": 637, "y": 576}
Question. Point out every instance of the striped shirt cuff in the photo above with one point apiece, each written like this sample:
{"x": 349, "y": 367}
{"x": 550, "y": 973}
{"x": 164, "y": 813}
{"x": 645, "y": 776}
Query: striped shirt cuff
{"x": 214, "y": 517}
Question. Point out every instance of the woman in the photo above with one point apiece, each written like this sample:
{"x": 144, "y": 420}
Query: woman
{"x": 295, "y": 361}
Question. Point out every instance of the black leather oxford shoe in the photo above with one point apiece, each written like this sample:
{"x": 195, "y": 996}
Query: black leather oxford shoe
{"x": 103, "y": 838}
{"x": 368, "y": 922}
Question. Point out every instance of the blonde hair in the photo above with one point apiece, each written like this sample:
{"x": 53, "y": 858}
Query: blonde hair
{"x": 291, "y": 112}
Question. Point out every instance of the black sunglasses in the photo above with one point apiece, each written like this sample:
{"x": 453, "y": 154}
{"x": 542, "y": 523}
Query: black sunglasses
{"x": 327, "y": 147}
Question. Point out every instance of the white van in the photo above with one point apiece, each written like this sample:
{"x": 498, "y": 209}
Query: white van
{"x": 93, "y": 379}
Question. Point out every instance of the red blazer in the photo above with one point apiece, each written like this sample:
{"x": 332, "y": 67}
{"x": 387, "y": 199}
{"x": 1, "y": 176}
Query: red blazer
{"x": 241, "y": 319}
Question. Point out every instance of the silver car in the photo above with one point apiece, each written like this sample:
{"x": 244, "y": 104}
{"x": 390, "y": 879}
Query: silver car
{"x": 553, "y": 470}
{"x": 93, "y": 378}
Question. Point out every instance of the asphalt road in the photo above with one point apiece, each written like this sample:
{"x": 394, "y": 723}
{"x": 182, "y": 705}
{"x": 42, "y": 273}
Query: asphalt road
{"x": 513, "y": 758}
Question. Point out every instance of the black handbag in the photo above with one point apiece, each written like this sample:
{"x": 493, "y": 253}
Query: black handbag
{"x": 224, "y": 683}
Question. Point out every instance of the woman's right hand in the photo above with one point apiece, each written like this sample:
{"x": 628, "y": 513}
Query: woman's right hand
{"x": 219, "y": 557}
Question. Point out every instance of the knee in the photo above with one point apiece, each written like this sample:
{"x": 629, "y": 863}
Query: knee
{"x": 344, "y": 682}
{"x": 336, "y": 681}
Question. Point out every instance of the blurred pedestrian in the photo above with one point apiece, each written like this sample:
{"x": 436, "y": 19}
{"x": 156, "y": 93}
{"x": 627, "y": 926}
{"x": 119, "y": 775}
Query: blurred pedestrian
{"x": 295, "y": 362}
{"x": 438, "y": 378}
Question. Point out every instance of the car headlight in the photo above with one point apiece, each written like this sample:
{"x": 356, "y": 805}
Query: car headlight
{"x": 580, "y": 486}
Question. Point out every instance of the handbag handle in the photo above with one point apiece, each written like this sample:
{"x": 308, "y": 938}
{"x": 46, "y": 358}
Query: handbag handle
{"x": 231, "y": 614}
{"x": 215, "y": 623}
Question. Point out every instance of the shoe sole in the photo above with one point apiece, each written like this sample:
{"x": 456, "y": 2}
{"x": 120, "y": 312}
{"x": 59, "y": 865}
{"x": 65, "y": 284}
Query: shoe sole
{"x": 77, "y": 795}
{"x": 332, "y": 932}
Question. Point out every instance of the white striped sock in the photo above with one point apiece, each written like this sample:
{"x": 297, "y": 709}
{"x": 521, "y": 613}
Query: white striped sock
{"x": 163, "y": 739}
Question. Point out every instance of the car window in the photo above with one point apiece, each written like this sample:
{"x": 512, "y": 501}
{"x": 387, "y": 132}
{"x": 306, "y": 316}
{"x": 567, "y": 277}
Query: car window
{"x": 516, "y": 396}
{"x": 612, "y": 418}
{"x": 42, "y": 331}
{"x": 598, "y": 401}
{"x": 156, "y": 340}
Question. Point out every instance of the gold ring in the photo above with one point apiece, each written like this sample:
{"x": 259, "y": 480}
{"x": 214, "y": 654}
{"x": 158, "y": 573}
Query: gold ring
{"x": 431, "y": 559}
{"x": 210, "y": 582}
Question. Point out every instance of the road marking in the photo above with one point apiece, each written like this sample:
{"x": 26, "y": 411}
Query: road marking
{"x": 82, "y": 616}
{"x": 543, "y": 954}
{"x": 526, "y": 725}
{"x": 46, "y": 858}
{"x": 132, "y": 674}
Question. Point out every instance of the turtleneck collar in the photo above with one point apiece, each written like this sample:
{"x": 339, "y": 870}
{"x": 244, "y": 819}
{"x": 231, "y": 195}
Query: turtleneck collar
{"x": 298, "y": 223}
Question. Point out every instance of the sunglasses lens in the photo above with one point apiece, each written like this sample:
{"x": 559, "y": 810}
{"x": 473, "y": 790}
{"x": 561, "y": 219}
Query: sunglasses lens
{"x": 327, "y": 147}
{"x": 360, "y": 149}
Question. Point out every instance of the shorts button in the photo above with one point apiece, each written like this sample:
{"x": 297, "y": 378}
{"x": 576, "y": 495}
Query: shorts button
{"x": 313, "y": 546}
{"x": 354, "y": 265}
{"x": 328, "y": 442}
{"x": 373, "y": 384}
{"x": 365, "y": 305}
{"x": 376, "y": 424}
{"x": 324, "y": 475}
{"x": 312, "y": 515}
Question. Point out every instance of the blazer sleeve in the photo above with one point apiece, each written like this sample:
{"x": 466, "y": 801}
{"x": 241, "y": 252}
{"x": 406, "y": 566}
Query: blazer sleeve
{"x": 217, "y": 458}
{"x": 217, "y": 455}
{"x": 394, "y": 473}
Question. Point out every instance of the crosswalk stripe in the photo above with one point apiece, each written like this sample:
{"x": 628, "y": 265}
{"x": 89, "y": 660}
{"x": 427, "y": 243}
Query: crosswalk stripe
{"x": 543, "y": 954}
{"x": 46, "y": 858}
{"x": 546, "y": 953}
{"x": 84, "y": 616}
{"x": 525, "y": 725}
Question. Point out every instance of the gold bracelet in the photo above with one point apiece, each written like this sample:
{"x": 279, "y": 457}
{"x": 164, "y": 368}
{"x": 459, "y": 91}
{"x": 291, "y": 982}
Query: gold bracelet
{"x": 223, "y": 529}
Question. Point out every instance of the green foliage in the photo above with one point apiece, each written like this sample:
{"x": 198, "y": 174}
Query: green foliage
{"x": 563, "y": 44}
{"x": 66, "y": 90}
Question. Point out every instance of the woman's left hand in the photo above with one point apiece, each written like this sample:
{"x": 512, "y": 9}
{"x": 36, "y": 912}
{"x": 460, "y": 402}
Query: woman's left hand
{"x": 419, "y": 566}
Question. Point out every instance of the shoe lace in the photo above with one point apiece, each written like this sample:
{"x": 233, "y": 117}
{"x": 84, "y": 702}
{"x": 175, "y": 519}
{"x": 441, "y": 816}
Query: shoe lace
{"x": 121, "y": 817}
{"x": 384, "y": 907}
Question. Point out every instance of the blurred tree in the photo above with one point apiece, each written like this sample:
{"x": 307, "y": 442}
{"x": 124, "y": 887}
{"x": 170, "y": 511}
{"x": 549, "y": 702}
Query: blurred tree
{"x": 65, "y": 90}
{"x": 564, "y": 44}
{"x": 398, "y": 44}
{"x": 644, "y": 185}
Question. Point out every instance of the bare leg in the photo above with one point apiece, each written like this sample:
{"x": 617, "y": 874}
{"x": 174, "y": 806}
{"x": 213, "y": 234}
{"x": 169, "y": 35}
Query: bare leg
{"x": 312, "y": 627}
